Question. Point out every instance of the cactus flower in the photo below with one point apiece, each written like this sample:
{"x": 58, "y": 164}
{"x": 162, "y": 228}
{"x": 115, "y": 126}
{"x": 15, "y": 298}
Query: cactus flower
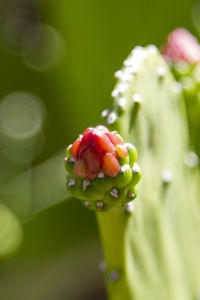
{"x": 181, "y": 45}
{"x": 101, "y": 168}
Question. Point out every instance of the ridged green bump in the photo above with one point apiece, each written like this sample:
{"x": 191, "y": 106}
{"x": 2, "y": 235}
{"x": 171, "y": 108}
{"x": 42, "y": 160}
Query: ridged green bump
{"x": 105, "y": 192}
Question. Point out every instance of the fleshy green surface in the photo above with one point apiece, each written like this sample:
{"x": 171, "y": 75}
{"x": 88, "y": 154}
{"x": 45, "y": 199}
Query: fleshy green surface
{"x": 189, "y": 78}
{"x": 159, "y": 257}
{"x": 105, "y": 192}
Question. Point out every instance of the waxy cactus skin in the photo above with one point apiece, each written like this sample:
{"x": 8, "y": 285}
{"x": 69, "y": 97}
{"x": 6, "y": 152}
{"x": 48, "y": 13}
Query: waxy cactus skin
{"x": 101, "y": 169}
{"x": 145, "y": 110}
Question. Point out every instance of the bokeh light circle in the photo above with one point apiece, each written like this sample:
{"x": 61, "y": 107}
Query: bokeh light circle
{"x": 21, "y": 119}
{"x": 47, "y": 50}
{"x": 10, "y": 232}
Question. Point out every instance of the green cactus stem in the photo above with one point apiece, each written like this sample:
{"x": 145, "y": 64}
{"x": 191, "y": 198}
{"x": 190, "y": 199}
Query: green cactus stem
{"x": 145, "y": 109}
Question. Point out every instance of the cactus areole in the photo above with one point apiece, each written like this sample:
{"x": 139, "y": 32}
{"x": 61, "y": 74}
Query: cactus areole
{"x": 101, "y": 169}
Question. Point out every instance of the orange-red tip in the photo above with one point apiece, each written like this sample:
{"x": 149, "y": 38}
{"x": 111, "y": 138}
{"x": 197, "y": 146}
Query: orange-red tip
{"x": 97, "y": 150}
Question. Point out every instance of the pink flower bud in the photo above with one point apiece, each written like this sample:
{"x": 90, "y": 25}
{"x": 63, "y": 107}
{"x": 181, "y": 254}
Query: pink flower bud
{"x": 181, "y": 45}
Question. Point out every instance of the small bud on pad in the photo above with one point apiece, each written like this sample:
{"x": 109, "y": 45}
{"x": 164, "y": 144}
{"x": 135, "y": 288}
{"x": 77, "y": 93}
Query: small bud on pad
{"x": 100, "y": 168}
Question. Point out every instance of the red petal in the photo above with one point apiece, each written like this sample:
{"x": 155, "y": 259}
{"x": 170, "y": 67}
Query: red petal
{"x": 88, "y": 136}
{"x": 80, "y": 169}
{"x": 110, "y": 165}
{"x": 115, "y": 138}
{"x": 122, "y": 151}
{"x": 92, "y": 160}
{"x": 102, "y": 128}
{"x": 82, "y": 149}
{"x": 102, "y": 143}
{"x": 75, "y": 148}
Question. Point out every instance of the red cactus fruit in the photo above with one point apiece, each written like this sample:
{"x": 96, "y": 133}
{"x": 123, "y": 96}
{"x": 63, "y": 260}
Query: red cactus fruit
{"x": 115, "y": 138}
{"x": 97, "y": 150}
{"x": 181, "y": 45}
{"x": 80, "y": 168}
{"x": 122, "y": 151}
{"x": 92, "y": 160}
{"x": 110, "y": 165}
{"x": 75, "y": 148}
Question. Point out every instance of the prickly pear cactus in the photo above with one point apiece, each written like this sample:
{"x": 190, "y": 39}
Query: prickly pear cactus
{"x": 148, "y": 109}
{"x": 145, "y": 244}
{"x": 102, "y": 169}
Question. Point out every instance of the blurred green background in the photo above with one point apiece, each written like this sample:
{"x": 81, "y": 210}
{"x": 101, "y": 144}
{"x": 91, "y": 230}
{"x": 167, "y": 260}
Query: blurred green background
{"x": 57, "y": 61}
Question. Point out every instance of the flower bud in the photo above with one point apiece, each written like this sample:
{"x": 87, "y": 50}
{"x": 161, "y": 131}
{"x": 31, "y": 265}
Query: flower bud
{"x": 100, "y": 169}
{"x": 181, "y": 45}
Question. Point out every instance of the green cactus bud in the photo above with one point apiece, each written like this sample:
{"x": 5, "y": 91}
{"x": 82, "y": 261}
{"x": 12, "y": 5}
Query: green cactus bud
{"x": 69, "y": 165}
{"x": 100, "y": 169}
{"x": 132, "y": 153}
{"x": 124, "y": 177}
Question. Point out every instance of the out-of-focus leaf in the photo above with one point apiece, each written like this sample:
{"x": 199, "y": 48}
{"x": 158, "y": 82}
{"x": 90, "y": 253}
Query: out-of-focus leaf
{"x": 37, "y": 188}
{"x": 10, "y": 232}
